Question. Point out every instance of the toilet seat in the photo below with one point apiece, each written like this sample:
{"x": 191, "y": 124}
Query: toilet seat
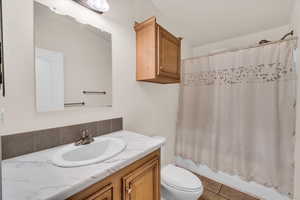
{"x": 180, "y": 179}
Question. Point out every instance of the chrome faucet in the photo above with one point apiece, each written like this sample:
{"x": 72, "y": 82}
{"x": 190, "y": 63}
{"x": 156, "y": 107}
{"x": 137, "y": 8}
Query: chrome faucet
{"x": 85, "y": 138}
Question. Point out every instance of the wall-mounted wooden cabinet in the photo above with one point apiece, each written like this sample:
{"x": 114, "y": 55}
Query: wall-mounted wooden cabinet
{"x": 158, "y": 53}
{"x": 138, "y": 181}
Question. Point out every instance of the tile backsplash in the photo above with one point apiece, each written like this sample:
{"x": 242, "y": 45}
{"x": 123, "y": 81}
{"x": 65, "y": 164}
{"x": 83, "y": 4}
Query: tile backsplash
{"x": 23, "y": 143}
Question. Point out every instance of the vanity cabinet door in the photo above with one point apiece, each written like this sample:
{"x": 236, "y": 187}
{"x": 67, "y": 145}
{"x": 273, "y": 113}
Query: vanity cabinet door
{"x": 169, "y": 54}
{"x": 104, "y": 194}
{"x": 143, "y": 183}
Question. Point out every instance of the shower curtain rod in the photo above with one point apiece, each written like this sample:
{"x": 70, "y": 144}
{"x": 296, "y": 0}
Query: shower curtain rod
{"x": 239, "y": 49}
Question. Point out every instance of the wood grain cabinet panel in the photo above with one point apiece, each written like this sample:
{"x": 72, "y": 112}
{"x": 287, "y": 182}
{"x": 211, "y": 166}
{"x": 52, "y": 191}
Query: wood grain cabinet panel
{"x": 146, "y": 50}
{"x": 169, "y": 54}
{"x": 105, "y": 194}
{"x": 158, "y": 53}
{"x": 143, "y": 183}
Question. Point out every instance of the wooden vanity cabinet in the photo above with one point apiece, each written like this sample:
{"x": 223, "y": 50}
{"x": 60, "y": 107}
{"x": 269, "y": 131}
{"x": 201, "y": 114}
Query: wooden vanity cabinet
{"x": 158, "y": 53}
{"x": 138, "y": 181}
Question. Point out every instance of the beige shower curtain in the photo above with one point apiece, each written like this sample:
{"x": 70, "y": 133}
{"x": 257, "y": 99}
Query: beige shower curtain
{"x": 237, "y": 113}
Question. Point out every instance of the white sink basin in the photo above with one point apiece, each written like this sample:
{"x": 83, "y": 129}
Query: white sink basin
{"x": 101, "y": 149}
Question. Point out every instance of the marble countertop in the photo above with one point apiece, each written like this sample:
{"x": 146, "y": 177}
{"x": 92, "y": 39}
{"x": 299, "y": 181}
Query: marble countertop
{"x": 34, "y": 177}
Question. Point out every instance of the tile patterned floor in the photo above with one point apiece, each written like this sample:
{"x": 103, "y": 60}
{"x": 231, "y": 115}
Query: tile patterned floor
{"x": 217, "y": 191}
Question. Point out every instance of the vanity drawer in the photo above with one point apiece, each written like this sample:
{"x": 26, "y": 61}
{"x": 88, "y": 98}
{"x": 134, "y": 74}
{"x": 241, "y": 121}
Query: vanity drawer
{"x": 105, "y": 194}
{"x": 99, "y": 191}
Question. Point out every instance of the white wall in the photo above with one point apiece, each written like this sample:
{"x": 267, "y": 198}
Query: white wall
{"x": 242, "y": 41}
{"x": 295, "y": 24}
{"x": 147, "y": 108}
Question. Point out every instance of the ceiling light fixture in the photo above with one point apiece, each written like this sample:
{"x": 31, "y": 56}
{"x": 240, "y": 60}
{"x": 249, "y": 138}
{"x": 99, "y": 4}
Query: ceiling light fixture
{"x": 99, "y": 6}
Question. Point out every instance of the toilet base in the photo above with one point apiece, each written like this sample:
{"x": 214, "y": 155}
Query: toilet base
{"x": 167, "y": 194}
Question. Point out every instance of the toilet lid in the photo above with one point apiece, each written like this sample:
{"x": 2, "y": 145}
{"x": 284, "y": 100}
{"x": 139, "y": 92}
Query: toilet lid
{"x": 180, "y": 179}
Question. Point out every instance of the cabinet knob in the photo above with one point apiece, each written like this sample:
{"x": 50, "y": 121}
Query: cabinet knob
{"x": 129, "y": 190}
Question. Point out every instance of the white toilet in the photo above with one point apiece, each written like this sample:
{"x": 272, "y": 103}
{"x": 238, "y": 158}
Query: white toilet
{"x": 178, "y": 183}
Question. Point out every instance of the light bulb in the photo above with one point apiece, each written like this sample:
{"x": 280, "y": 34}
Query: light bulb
{"x": 99, "y": 5}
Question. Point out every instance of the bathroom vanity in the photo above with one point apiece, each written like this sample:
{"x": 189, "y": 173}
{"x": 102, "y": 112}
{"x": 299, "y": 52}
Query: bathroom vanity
{"x": 138, "y": 181}
{"x": 134, "y": 174}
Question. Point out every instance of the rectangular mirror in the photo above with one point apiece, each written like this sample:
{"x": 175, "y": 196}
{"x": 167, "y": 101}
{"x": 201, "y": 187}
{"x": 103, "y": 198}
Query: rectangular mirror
{"x": 73, "y": 62}
{"x": 2, "y": 82}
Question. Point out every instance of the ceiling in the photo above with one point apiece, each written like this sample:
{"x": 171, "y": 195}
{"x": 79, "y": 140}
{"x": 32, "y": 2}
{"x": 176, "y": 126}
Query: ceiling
{"x": 206, "y": 21}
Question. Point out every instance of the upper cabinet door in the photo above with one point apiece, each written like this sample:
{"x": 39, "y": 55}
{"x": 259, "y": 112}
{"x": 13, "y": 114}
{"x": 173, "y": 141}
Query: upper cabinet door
{"x": 143, "y": 183}
{"x": 169, "y": 54}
